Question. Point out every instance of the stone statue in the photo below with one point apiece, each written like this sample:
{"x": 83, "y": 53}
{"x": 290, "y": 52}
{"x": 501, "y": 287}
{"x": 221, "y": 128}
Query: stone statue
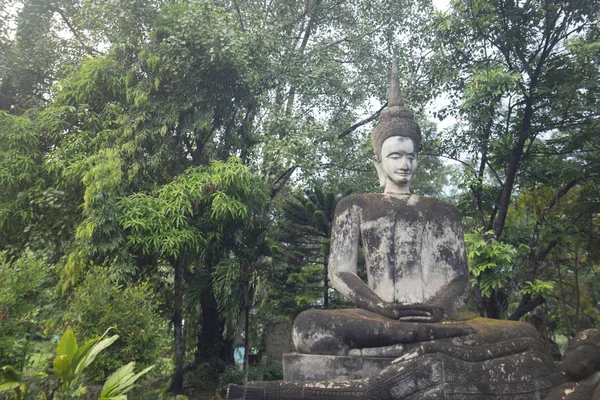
{"x": 411, "y": 309}
{"x": 415, "y": 257}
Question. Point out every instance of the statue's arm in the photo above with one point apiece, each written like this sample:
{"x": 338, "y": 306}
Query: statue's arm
{"x": 451, "y": 297}
{"x": 343, "y": 260}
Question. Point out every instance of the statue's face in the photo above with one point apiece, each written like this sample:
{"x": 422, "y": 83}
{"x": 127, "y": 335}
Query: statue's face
{"x": 581, "y": 361}
{"x": 398, "y": 163}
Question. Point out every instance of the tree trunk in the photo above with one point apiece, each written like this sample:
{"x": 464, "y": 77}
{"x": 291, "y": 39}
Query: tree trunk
{"x": 177, "y": 383}
{"x": 577, "y": 290}
{"x": 513, "y": 167}
{"x": 326, "y": 282}
{"x": 7, "y": 95}
{"x": 526, "y": 305}
{"x": 211, "y": 343}
{"x": 246, "y": 340}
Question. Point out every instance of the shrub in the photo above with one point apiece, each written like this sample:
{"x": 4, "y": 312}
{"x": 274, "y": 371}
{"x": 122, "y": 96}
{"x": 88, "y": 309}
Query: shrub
{"x": 22, "y": 282}
{"x": 133, "y": 311}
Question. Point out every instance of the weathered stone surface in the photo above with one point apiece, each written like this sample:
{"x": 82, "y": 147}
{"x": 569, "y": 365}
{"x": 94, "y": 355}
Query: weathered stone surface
{"x": 527, "y": 375}
{"x": 414, "y": 253}
{"x": 307, "y": 367}
{"x": 515, "y": 369}
{"x": 413, "y": 247}
{"x": 336, "y": 332}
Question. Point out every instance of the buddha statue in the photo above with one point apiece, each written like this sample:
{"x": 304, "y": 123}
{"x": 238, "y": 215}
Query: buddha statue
{"x": 411, "y": 309}
{"x": 417, "y": 277}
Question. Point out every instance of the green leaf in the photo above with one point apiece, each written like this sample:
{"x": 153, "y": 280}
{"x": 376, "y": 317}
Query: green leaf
{"x": 121, "y": 382}
{"x": 62, "y": 366}
{"x": 11, "y": 374}
{"x": 94, "y": 351}
{"x": 67, "y": 345}
{"x": 83, "y": 351}
{"x": 9, "y": 386}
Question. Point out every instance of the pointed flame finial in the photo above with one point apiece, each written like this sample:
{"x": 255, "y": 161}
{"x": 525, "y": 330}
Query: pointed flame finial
{"x": 395, "y": 98}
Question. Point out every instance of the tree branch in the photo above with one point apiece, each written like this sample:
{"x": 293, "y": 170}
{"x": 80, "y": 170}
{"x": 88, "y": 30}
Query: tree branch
{"x": 284, "y": 178}
{"x": 361, "y": 123}
{"x": 88, "y": 49}
{"x": 526, "y": 306}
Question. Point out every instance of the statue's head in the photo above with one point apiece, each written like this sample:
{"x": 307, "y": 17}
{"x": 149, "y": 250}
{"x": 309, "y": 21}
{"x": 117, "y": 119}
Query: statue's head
{"x": 582, "y": 357}
{"x": 396, "y": 140}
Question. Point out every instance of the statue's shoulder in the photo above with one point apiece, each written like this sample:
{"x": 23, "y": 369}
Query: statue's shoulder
{"x": 438, "y": 209}
{"x": 359, "y": 200}
{"x": 351, "y": 201}
{"x": 374, "y": 205}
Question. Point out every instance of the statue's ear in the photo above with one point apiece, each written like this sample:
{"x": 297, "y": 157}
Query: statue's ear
{"x": 380, "y": 173}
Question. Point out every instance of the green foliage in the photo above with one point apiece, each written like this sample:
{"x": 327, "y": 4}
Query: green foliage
{"x": 17, "y": 387}
{"x": 523, "y": 79}
{"x": 134, "y": 313}
{"x": 538, "y": 288}
{"x": 489, "y": 260}
{"x": 120, "y": 382}
{"x": 68, "y": 366}
{"x": 23, "y": 292}
{"x": 175, "y": 218}
{"x": 115, "y": 167}
{"x": 304, "y": 233}
{"x": 308, "y": 281}
{"x": 71, "y": 361}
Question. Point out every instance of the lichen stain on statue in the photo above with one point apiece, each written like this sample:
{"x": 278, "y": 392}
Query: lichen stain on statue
{"x": 410, "y": 336}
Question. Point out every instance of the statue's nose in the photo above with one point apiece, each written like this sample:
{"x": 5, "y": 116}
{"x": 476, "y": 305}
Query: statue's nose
{"x": 404, "y": 164}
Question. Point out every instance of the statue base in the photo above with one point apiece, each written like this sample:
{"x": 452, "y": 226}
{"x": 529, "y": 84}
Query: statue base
{"x": 309, "y": 367}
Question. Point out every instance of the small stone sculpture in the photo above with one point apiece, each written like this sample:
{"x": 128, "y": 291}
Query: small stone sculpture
{"x": 411, "y": 308}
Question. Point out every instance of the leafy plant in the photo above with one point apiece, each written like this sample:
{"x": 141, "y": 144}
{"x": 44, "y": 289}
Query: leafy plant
{"x": 71, "y": 360}
{"x": 489, "y": 260}
{"x": 69, "y": 364}
{"x": 12, "y": 381}
{"x": 22, "y": 281}
{"x": 538, "y": 287}
{"x": 120, "y": 382}
{"x": 133, "y": 311}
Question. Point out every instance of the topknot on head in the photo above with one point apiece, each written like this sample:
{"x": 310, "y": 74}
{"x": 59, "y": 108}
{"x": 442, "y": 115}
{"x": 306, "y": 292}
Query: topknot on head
{"x": 395, "y": 119}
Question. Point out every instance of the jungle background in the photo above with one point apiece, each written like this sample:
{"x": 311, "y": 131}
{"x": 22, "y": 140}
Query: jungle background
{"x": 170, "y": 168}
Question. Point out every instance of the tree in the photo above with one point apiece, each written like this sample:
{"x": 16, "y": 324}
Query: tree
{"x": 176, "y": 222}
{"x": 524, "y": 79}
{"x": 24, "y": 286}
{"x": 306, "y": 232}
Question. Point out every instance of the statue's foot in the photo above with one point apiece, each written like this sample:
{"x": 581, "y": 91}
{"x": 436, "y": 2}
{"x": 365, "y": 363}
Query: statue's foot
{"x": 392, "y": 351}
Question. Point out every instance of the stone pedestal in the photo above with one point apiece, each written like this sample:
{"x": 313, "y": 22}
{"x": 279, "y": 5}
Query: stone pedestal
{"x": 308, "y": 367}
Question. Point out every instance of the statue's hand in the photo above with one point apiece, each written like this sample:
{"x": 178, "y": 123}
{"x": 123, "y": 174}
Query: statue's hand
{"x": 413, "y": 312}
{"x": 390, "y": 310}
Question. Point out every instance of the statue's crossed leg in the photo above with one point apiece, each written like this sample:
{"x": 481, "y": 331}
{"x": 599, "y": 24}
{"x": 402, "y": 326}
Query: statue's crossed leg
{"x": 352, "y": 331}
